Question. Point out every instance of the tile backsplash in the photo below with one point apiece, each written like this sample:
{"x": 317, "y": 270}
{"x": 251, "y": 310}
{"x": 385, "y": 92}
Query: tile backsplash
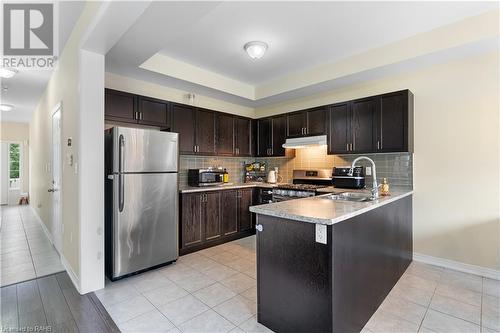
{"x": 396, "y": 167}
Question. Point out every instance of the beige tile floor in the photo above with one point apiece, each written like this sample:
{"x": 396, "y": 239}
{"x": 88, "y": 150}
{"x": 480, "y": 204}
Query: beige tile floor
{"x": 25, "y": 250}
{"x": 214, "y": 290}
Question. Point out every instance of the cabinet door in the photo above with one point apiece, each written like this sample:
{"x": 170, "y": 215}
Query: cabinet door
{"x": 183, "y": 119}
{"x": 205, "y": 131}
{"x": 120, "y": 106}
{"x": 339, "y": 129}
{"x": 362, "y": 125}
{"x": 279, "y": 135}
{"x": 243, "y": 136}
{"x": 192, "y": 231}
{"x": 264, "y": 134}
{"x": 245, "y": 216}
{"x": 229, "y": 212}
{"x": 210, "y": 215}
{"x": 392, "y": 123}
{"x": 224, "y": 137}
{"x": 297, "y": 124}
{"x": 153, "y": 112}
{"x": 317, "y": 121}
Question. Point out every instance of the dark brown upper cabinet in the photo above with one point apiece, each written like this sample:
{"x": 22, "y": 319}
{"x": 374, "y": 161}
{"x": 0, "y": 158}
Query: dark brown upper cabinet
{"x": 183, "y": 120}
{"x": 363, "y": 125}
{"x": 243, "y": 136}
{"x": 264, "y": 137}
{"x": 377, "y": 124}
{"x": 339, "y": 136}
{"x": 308, "y": 122}
{"x": 120, "y": 106}
{"x": 279, "y": 136}
{"x": 297, "y": 124}
{"x": 224, "y": 134}
{"x": 271, "y": 135}
{"x": 394, "y": 122}
{"x": 205, "y": 132}
{"x": 317, "y": 121}
{"x": 154, "y": 112}
{"x": 196, "y": 128}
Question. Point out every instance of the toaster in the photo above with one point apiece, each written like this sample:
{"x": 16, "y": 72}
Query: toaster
{"x": 342, "y": 179}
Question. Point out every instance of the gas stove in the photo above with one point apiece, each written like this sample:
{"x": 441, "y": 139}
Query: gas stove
{"x": 305, "y": 184}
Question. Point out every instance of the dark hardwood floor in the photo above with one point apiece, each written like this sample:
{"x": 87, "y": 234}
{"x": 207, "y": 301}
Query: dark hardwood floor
{"x": 52, "y": 304}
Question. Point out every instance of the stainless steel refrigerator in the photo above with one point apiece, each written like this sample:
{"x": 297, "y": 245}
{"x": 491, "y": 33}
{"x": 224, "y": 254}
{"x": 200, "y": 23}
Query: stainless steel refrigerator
{"x": 141, "y": 200}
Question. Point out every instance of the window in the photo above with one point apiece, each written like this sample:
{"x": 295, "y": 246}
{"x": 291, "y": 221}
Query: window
{"x": 14, "y": 165}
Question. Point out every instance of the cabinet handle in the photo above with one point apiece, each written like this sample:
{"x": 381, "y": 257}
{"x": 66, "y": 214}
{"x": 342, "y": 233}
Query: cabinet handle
{"x": 352, "y": 149}
{"x": 140, "y": 115}
{"x": 378, "y": 145}
{"x": 347, "y": 146}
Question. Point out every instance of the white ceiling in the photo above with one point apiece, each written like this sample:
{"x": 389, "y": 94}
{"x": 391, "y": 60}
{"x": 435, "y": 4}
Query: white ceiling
{"x": 301, "y": 35}
{"x": 26, "y": 87}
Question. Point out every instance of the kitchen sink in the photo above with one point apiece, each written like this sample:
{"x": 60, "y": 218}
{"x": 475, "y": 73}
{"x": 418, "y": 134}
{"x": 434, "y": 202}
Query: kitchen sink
{"x": 351, "y": 196}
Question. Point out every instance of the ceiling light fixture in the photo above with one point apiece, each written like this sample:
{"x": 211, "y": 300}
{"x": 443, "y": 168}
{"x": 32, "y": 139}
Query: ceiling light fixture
{"x": 255, "y": 49}
{"x": 6, "y": 107}
{"x": 7, "y": 73}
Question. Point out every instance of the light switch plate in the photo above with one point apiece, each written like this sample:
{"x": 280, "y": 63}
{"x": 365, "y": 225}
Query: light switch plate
{"x": 321, "y": 233}
{"x": 368, "y": 171}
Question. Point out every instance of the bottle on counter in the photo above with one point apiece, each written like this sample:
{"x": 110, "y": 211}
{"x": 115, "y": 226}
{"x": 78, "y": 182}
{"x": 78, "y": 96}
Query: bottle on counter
{"x": 226, "y": 176}
{"x": 384, "y": 188}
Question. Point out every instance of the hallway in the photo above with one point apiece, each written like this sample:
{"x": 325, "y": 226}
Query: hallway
{"x": 25, "y": 251}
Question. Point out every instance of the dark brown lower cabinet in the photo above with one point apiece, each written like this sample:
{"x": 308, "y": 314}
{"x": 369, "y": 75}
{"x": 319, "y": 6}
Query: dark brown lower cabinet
{"x": 214, "y": 217}
{"x": 245, "y": 200}
{"x": 229, "y": 213}
{"x": 305, "y": 286}
{"x": 192, "y": 233}
{"x": 210, "y": 215}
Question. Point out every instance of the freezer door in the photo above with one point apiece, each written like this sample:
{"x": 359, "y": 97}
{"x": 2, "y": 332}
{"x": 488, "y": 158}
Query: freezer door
{"x": 139, "y": 150}
{"x": 145, "y": 221}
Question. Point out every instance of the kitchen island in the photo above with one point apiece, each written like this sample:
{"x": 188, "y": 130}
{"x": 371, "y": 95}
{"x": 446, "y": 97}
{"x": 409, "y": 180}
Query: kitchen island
{"x": 326, "y": 265}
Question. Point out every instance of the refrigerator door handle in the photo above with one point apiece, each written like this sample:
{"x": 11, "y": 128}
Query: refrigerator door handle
{"x": 121, "y": 180}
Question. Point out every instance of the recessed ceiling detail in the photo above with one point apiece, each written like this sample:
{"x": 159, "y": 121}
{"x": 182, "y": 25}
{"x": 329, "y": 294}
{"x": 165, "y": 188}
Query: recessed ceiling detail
{"x": 315, "y": 45}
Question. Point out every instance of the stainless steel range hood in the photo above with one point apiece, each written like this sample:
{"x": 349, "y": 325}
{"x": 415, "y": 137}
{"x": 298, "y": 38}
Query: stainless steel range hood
{"x": 306, "y": 141}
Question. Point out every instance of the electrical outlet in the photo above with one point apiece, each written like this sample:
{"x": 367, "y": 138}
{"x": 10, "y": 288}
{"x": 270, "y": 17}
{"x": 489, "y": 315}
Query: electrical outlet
{"x": 321, "y": 233}
{"x": 368, "y": 171}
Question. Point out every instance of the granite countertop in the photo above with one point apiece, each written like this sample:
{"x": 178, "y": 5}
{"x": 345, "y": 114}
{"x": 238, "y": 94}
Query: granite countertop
{"x": 321, "y": 210}
{"x": 228, "y": 186}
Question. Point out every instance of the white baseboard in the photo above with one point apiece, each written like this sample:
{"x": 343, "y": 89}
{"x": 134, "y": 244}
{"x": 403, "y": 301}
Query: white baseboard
{"x": 458, "y": 266}
{"x": 65, "y": 263}
{"x": 71, "y": 273}
{"x": 44, "y": 227}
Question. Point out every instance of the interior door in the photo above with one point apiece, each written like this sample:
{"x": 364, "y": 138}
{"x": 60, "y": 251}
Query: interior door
{"x": 145, "y": 221}
{"x": 55, "y": 187}
{"x": 4, "y": 176}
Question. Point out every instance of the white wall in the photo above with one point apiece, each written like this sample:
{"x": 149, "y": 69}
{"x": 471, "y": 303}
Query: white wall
{"x": 64, "y": 87}
{"x": 456, "y": 158}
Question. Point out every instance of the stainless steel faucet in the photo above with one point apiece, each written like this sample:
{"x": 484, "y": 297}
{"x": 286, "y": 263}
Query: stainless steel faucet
{"x": 375, "y": 194}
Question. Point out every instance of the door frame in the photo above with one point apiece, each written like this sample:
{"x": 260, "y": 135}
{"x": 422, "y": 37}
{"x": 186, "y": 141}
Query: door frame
{"x": 57, "y": 230}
